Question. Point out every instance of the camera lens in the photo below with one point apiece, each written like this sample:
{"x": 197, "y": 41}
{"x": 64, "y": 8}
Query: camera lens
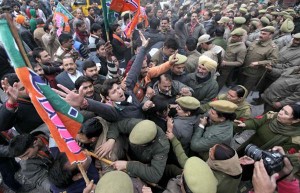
{"x": 253, "y": 151}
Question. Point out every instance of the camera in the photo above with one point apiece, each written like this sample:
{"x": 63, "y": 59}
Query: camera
{"x": 273, "y": 160}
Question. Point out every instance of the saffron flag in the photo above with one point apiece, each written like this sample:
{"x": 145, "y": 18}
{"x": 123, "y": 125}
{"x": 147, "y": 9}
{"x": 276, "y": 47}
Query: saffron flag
{"x": 62, "y": 17}
{"x": 124, "y": 5}
{"x": 62, "y": 120}
{"x": 143, "y": 17}
{"x": 135, "y": 20}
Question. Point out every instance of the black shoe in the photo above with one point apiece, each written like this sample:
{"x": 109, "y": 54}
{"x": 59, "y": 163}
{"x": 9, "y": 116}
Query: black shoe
{"x": 255, "y": 103}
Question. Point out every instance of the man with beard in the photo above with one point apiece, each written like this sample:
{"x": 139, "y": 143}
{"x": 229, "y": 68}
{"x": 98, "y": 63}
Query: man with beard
{"x": 90, "y": 70}
{"x": 37, "y": 68}
{"x": 42, "y": 57}
{"x": 87, "y": 87}
{"x": 202, "y": 81}
{"x": 17, "y": 111}
{"x": 289, "y": 55}
{"x": 234, "y": 56}
{"x": 70, "y": 74}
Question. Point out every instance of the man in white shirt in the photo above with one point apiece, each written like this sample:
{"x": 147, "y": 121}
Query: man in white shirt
{"x": 70, "y": 74}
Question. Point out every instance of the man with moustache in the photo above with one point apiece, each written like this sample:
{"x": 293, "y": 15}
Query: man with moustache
{"x": 202, "y": 81}
{"x": 70, "y": 74}
{"x": 260, "y": 53}
{"x": 288, "y": 58}
{"x": 90, "y": 70}
{"x": 87, "y": 87}
{"x": 192, "y": 29}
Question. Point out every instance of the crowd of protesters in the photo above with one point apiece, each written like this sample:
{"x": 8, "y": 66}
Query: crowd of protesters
{"x": 169, "y": 106}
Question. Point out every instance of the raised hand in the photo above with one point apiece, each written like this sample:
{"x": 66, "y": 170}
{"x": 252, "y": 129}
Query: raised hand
{"x": 148, "y": 105}
{"x": 174, "y": 59}
{"x": 145, "y": 41}
{"x": 11, "y": 91}
{"x": 72, "y": 98}
{"x": 108, "y": 48}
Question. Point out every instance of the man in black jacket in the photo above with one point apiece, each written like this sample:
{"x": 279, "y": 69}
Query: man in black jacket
{"x": 24, "y": 32}
{"x": 17, "y": 111}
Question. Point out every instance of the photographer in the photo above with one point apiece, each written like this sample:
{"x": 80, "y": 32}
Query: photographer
{"x": 263, "y": 183}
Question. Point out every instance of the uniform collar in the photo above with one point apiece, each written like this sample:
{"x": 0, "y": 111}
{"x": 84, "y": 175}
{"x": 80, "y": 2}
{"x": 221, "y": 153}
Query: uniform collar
{"x": 264, "y": 43}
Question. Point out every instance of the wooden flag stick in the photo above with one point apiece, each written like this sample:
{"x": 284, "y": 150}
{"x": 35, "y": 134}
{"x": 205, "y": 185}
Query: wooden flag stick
{"x": 82, "y": 171}
{"x": 110, "y": 162}
{"x": 17, "y": 38}
{"x": 101, "y": 159}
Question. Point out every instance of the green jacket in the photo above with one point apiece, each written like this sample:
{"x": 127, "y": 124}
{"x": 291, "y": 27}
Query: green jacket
{"x": 204, "y": 139}
{"x": 204, "y": 91}
{"x": 264, "y": 138}
{"x": 220, "y": 41}
{"x": 243, "y": 110}
{"x": 148, "y": 161}
{"x": 226, "y": 183}
{"x": 286, "y": 89}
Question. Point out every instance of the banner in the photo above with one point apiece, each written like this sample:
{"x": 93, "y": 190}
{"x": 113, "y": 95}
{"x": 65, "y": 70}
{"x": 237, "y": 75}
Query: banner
{"x": 62, "y": 120}
{"x": 124, "y": 5}
{"x": 62, "y": 17}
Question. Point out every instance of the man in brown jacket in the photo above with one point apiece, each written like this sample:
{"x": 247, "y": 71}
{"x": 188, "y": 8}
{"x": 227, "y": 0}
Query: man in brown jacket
{"x": 234, "y": 56}
{"x": 260, "y": 53}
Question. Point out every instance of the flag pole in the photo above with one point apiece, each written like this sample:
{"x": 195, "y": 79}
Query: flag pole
{"x": 82, "y": 171}
{"x": 17, "y": 38}
{"x": 131, "y": 36}
{"x": 104, "y": 14}
{"x": 100, "y": 159}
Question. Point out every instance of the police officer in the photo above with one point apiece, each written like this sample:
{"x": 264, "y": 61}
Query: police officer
{"x": 234, "y": 56}
{"x": 148, "y": 148}
{"x": 114, "y": 182}
{"x": 285, "y": 37}
{"x": 197, "y": 177}
{"x": 260, "y": 53}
